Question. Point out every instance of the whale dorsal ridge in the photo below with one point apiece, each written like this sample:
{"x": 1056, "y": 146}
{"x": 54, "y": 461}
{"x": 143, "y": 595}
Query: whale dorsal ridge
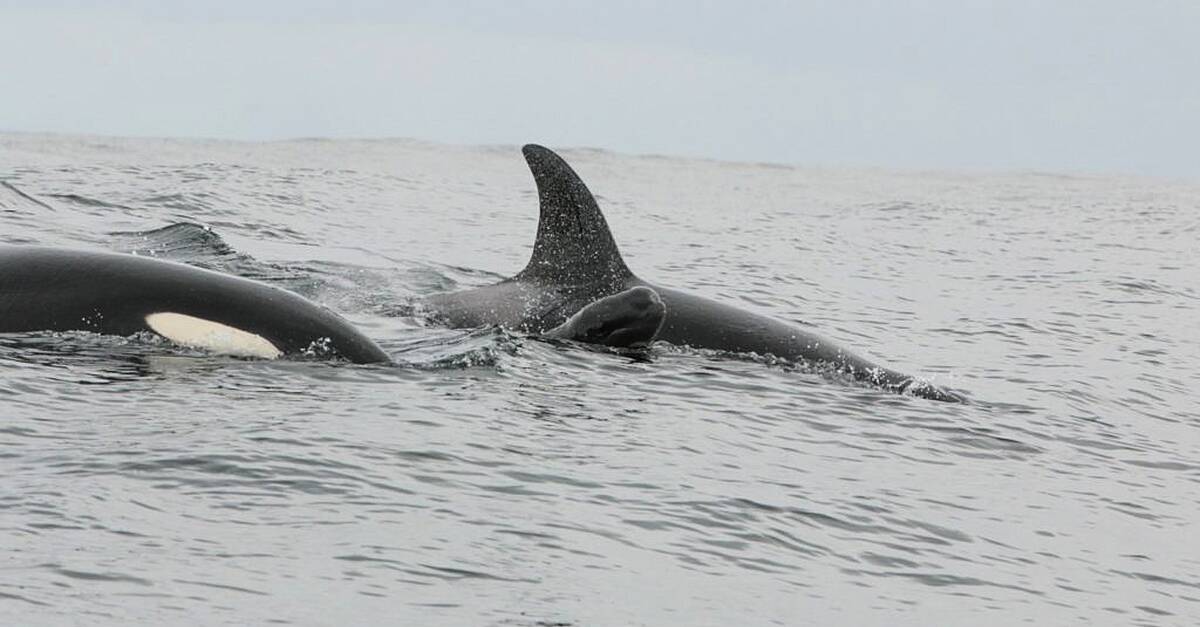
{"x": 574, "y": 245}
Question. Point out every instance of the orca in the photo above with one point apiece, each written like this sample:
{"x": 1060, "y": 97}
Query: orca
{"x": 575, "y": 262}
{"x": 54, "y": 289}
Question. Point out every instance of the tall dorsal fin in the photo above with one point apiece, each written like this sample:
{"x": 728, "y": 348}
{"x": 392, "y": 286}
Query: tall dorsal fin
{"x": 574, "y": 245}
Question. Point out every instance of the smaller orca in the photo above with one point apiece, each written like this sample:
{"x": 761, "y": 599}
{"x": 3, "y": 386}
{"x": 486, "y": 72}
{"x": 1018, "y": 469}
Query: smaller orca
{"x": 575, "y": 262}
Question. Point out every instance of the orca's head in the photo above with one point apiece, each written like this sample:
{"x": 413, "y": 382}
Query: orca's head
{"x": 629, "y": 319}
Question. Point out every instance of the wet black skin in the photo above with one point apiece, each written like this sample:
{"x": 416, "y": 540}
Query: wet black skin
{"x": 53, "y": 289}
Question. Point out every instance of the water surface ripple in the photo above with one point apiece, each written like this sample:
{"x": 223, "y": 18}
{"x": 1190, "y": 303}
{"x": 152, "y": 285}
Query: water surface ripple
{"x": 493, "y": 479}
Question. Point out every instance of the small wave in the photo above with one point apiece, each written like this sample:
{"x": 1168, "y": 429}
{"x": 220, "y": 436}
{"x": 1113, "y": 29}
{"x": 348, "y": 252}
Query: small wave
{"x": 180, "y": 202}
{"x": 182, "y": 241}
{"x": 455, "y": 349}
{"x": 1144, "y": 285}
{"x": 200, "y": 245}
{"x": 84, "y": 201}
{"x": 12, "y": 199}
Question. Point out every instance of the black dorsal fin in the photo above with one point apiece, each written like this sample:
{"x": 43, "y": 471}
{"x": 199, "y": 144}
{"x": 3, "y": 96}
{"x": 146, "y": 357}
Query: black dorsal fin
{"x": 574, "y": 245}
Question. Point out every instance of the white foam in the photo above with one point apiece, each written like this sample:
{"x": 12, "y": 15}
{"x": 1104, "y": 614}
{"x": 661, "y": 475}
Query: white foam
{"x": 214, "y": 336}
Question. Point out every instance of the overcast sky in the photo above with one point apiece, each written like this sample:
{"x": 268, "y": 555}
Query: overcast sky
{"x": 1049, "y": 85}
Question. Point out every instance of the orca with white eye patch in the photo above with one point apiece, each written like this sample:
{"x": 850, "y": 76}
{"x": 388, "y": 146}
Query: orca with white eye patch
{"x": 53, "y": 289}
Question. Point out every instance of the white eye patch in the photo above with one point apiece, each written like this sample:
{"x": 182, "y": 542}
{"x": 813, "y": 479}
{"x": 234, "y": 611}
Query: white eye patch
{"x": 209, "y": 335}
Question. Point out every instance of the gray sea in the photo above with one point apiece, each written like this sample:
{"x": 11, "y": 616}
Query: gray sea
{"x": 494, "y": 479}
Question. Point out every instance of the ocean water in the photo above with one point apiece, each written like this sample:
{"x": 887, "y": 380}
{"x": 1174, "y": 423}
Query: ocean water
{"x": 494, "y": 479}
